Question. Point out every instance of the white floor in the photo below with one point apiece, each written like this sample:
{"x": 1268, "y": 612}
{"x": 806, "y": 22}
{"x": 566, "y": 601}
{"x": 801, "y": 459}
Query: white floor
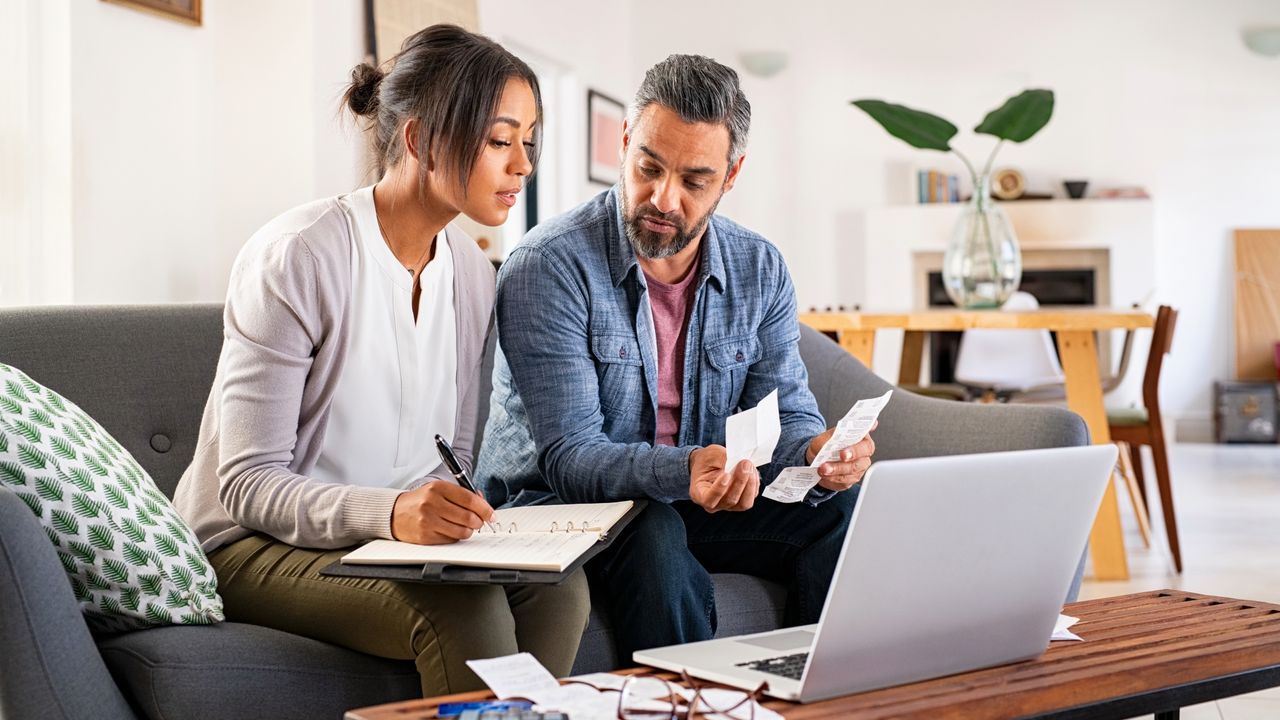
{"x": 1227, "y": 499}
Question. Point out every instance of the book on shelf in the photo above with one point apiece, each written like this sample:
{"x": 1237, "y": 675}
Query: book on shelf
{"x": 934, "y": 186}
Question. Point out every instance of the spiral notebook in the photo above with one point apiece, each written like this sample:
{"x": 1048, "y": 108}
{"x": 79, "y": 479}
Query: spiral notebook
{"x": 537, "y": 537}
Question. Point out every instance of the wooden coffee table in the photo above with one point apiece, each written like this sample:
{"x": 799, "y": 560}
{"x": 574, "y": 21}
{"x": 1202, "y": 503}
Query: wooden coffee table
{"x": 1151, "y": 652}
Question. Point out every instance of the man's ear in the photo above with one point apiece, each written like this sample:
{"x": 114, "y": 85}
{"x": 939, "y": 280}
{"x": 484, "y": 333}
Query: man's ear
{"x": 411, "y": 143}
{"x": 734, "y": 169}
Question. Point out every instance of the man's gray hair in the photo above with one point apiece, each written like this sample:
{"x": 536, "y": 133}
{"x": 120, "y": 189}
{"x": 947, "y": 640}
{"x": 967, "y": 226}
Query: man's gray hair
{"x": 698, "y": 89}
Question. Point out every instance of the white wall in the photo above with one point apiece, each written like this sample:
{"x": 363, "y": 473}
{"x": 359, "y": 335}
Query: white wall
{"x": 1149, "y": 92}
{"x": 182, "y": 140}
{"x": 573, "y": 45}
{"x": 35, "y": 154}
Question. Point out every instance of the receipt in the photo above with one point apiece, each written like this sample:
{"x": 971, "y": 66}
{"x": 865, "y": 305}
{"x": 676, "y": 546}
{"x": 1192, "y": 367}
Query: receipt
{"x": 794, "y": 483}
{"x": 852, "y": 428}
{"x": 753, "y": 434}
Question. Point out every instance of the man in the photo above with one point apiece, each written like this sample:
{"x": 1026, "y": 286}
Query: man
{"x": 629, "y": 329}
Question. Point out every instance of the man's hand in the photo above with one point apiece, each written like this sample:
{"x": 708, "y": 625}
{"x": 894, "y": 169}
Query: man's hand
{"x": 438, "y": 513}
{"x": 849, "y": 469}
{"x": 714, "y": 489}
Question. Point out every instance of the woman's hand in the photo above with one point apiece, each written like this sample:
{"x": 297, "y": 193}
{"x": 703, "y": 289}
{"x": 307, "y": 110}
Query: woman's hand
{"x": 438, "y": 513}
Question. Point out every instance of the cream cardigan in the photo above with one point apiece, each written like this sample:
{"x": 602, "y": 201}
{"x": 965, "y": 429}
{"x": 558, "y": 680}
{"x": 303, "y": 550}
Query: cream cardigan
{"x": 285, "y": 342}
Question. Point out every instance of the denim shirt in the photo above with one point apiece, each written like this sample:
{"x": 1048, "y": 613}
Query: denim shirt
{"x": 575, "y": 386}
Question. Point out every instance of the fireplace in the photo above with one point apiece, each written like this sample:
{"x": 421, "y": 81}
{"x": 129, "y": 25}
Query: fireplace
{"x": 1050, "y": 287}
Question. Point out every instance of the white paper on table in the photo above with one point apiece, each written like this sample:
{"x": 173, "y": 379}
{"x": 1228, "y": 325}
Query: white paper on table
{"x": 519, "y": 675}
{"x": 600, "y": 680}
{"x": 579, "y": 702}
{"x": 1060, "y": 631}
{"x": 723, "y": 698}
{"x": 753, "y": 434}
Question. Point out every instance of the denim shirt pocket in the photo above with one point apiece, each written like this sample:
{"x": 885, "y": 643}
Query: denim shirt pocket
{"x": 728, "y": 361}
{"x": 619, "y": 372}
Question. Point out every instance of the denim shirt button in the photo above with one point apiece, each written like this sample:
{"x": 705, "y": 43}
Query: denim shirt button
{"x": 739, "y": 356}
{"x": 622, "y": 352}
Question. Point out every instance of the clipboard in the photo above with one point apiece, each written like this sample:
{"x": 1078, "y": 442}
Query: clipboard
{"x": 437, "y": 573}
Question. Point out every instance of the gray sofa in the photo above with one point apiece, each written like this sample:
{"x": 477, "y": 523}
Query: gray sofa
{"x": 144, "y": 372}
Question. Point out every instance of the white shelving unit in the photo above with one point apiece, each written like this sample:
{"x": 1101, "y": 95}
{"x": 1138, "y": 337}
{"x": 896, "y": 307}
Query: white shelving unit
{"x": 892, "y": 249}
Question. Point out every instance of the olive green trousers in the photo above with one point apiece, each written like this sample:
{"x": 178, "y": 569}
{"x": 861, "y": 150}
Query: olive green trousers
{"x": 265, "y": 582}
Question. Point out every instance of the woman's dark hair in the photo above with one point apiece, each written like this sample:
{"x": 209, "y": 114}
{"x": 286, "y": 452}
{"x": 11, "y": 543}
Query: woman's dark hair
{"x": 451, "y": 81}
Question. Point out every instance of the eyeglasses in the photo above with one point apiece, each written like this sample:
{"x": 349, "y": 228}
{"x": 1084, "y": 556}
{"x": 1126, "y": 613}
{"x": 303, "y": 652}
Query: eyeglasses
{"x": 651, "y": 697}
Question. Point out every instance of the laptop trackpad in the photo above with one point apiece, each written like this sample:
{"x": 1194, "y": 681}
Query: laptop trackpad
{"x": 794, "y": 640}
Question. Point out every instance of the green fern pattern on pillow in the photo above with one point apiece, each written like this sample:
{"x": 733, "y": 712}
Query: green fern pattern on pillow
{"x": 132, "y": 561}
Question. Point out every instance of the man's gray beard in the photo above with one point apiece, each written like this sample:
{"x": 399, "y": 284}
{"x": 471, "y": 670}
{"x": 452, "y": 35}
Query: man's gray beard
{"x": 650, "y": 245}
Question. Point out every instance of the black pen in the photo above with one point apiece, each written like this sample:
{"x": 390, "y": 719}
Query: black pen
{"x": 455, "y": 468}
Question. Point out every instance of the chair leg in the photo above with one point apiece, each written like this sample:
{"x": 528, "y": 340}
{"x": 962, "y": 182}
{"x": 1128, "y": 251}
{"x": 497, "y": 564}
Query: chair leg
{"x": 1161, "y": 457}
{"x": 1135, "y": 496}
{"x": 1135, "y": 455}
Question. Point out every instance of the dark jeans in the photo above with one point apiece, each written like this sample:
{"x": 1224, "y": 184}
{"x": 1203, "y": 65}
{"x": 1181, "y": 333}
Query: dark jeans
{"x": 657, "y": 573}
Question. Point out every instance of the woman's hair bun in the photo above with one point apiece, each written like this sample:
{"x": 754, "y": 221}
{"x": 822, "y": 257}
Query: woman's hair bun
{"x": 362, "y": 95}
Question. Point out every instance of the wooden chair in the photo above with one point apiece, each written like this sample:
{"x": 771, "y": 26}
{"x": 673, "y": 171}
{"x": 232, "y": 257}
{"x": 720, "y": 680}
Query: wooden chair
{"x": 1143, "y": 426}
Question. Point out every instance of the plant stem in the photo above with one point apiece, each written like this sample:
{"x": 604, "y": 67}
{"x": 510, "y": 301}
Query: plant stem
{"x": 973, "y": 175}
{"x": 992, "y": 159}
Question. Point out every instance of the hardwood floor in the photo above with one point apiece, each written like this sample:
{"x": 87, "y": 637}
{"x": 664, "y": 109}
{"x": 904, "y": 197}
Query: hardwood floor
{"x": 1227, "y": 499}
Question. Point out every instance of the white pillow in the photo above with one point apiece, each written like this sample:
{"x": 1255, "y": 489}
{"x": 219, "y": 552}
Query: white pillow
{"x": 132, "y": 561}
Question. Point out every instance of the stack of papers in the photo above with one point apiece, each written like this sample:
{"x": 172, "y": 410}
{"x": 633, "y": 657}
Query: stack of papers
{"x": 794, "y": 483}
{"x": 596, "y": 696}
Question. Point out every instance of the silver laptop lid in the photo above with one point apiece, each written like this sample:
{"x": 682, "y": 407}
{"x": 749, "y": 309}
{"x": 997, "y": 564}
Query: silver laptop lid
{"x": 954, "y": 563}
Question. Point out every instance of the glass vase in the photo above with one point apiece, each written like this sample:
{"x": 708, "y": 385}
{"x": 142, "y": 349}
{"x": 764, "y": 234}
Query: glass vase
{"x": 983, "y": 265}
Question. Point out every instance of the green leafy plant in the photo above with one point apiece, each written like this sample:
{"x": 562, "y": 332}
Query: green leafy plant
{"x": 1017, "y": 120}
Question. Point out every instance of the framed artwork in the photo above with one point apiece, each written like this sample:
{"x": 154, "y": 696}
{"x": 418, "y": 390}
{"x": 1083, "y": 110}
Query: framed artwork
{"x": 184, "y": 10}
{"x": 604, "y": 137}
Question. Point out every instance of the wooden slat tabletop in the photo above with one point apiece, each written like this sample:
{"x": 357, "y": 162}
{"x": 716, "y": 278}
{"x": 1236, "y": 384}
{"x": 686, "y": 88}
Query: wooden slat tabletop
{"x": 1141, "y": 653}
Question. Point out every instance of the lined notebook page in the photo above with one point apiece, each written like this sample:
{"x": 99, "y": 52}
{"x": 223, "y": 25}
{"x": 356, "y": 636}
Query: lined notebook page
{"x": 548, "y": 518}
{"x": 517, "y": 551}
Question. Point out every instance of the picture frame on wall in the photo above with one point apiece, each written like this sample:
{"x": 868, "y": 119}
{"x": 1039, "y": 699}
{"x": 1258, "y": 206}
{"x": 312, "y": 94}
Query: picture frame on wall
{"x": 187, "y": 11}
{"x": 604, "y": 137}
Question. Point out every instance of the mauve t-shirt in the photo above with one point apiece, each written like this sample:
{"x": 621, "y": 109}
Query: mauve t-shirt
{"x": 670, "y": 305}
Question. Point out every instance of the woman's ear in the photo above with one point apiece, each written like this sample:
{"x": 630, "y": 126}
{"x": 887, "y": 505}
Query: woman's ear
{"x": 411, "y": 143}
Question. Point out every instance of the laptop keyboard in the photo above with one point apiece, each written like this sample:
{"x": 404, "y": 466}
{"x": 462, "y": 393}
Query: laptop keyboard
{"x": 788, "y": 666}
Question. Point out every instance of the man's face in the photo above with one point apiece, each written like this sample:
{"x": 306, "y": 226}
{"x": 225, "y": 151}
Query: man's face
{"x": 673, "y": 176}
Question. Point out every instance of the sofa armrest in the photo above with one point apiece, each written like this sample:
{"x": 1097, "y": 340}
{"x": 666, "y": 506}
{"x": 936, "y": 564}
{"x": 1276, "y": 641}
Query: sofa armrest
{"x": 50, "y": 667}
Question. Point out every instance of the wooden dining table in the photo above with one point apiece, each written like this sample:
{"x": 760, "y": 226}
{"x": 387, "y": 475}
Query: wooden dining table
{"x": 1077, "y": 349}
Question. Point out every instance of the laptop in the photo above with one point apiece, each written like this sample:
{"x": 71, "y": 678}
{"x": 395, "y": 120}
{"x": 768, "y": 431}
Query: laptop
{"x": 949, "y": 564}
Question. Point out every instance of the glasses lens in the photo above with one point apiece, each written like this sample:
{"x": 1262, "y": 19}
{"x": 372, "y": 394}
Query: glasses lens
{"x": 646, "y": 697}
{"x": 720, "y": 703}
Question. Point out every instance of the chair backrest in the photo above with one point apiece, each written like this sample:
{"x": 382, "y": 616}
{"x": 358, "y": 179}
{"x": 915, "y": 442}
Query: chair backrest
{"x": 1009, "y": 359}
{"x": 1161, "y": 344}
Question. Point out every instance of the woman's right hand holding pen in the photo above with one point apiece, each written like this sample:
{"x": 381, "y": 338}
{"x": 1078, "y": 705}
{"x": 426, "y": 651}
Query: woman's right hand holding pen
{"x": 438, "y": 513}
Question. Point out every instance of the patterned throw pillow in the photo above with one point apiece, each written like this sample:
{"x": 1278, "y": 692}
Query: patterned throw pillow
{"x": 133, "y": 563}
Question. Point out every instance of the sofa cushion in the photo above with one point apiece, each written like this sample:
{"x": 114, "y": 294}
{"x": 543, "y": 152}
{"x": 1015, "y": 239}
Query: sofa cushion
{"x": 132, "y": 561}
{"x": 233, "y": 670}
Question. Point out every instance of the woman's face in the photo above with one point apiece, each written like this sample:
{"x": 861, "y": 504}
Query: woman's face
{"x": 499, "y": 172}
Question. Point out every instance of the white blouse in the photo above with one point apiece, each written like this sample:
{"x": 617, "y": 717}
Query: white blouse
{"x": 399, "y": 388}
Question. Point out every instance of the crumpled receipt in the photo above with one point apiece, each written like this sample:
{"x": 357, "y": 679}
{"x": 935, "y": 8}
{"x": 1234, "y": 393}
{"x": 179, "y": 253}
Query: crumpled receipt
{"x": 794, "y": 483}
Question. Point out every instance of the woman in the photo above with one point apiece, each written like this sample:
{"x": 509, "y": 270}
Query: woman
{"x": 354, "y": 330}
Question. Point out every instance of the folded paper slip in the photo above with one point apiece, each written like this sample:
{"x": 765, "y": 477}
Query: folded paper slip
{"x": 525, "y": 545}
